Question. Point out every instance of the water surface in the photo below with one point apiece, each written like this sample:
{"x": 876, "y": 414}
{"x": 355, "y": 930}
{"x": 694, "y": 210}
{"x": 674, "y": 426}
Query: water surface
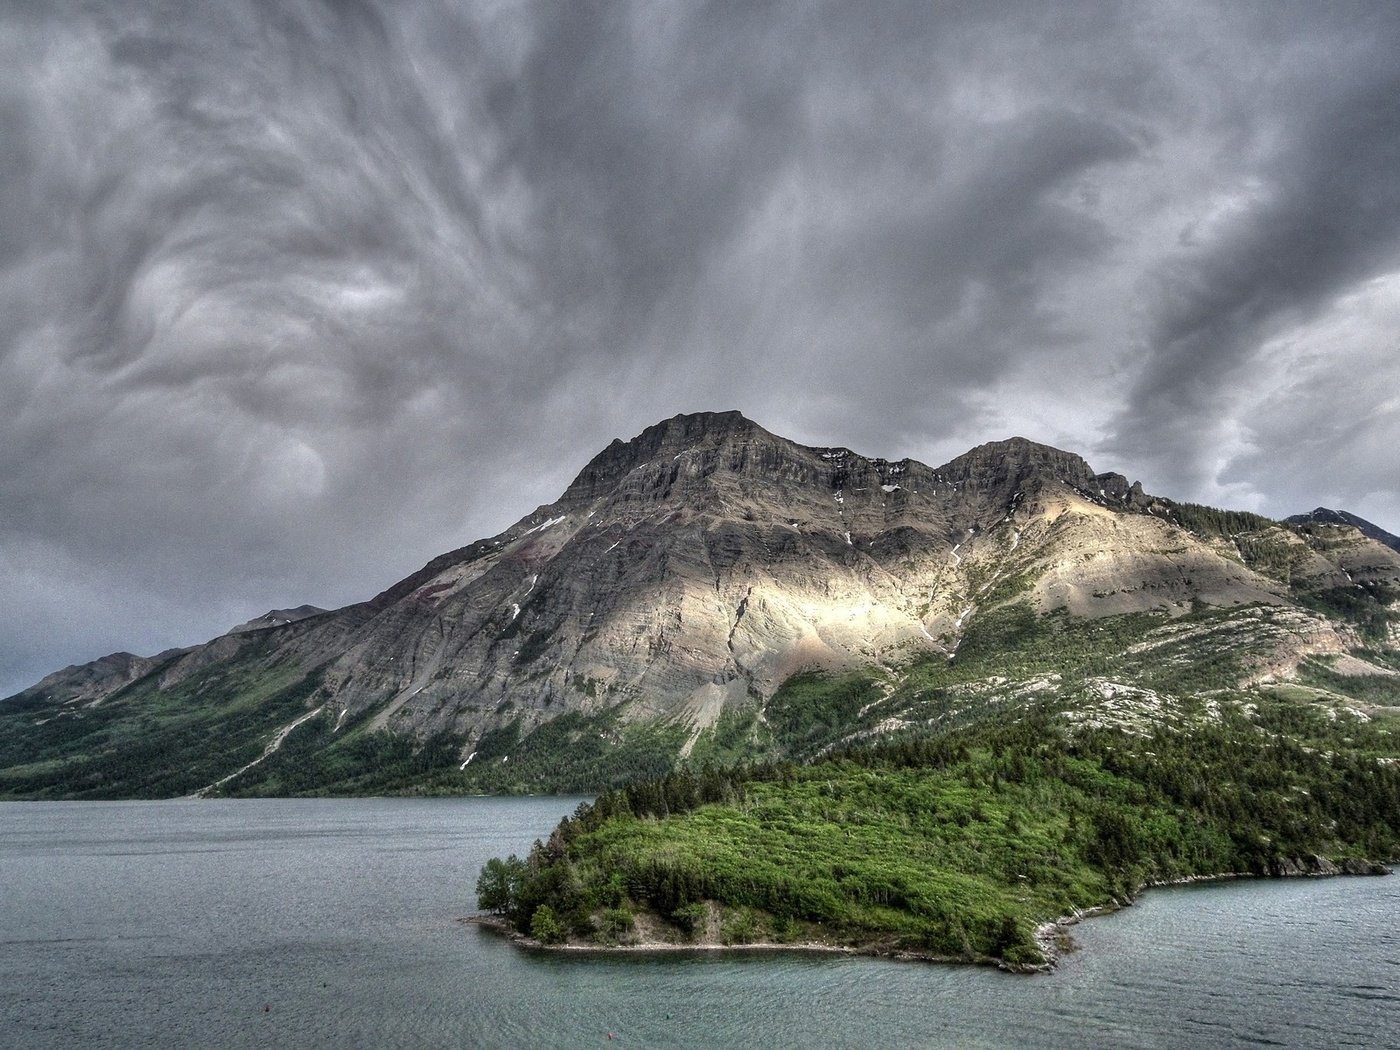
{"x": 298, "y": 923}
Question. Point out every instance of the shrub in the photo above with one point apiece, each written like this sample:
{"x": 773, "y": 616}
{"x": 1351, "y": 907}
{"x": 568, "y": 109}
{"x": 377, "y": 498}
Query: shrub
{"x": 545, "y": 926}
{"x": 691, "y": 918}
{"x": 615, "y": 923}
{"x": 738, "y": 927}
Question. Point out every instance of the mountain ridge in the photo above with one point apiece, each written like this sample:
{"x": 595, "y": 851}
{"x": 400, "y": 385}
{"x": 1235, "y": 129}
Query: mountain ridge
{"x": 685, "y": 575}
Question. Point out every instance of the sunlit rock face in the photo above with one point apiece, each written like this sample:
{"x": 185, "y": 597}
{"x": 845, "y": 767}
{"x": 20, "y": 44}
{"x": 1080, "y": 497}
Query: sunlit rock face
{"x": 697, "y": 566}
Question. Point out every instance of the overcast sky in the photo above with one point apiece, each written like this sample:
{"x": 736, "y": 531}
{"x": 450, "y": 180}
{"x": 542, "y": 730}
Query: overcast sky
{"x": 297, "y": 295}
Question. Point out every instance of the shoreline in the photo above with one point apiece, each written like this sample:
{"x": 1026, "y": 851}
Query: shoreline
{"x": 1052, "y": 936}
{"x": 524, "y": 942}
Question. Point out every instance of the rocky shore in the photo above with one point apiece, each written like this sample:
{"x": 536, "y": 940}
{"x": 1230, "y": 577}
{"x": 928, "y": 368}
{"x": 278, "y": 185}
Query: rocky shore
{"x": 648, "y": 941}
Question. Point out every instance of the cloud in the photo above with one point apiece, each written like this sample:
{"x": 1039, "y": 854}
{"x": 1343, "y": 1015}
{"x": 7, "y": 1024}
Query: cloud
{"x": 259, "y": 314}
{"x": 300, "y": 294}
{"x": 1327, "y": 400}
{"x": 1300, "y": 217}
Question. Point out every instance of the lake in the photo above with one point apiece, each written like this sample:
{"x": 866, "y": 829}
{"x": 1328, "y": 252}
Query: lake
{"x": 320, "y": 923}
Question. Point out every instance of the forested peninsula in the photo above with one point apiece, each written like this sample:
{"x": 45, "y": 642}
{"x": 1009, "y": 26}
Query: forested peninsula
{"x": 967, "y": 847}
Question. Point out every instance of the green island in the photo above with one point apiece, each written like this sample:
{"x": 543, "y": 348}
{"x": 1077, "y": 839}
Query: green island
{"x": 975, "y": 837}
{"x": 961, "y": 847}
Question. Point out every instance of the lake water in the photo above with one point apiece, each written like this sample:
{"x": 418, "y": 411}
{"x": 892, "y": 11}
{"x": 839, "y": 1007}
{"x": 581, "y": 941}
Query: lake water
{"x": 333, "y": 924}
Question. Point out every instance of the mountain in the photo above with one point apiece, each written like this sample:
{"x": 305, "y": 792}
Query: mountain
{"x": 711, "y": 591}
{"x": 1324, "y": 516}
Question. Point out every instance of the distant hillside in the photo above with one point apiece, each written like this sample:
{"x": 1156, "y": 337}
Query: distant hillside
{"x": 1324, "y": 516}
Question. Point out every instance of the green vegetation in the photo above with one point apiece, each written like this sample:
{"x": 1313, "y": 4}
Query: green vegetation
{"x": 1381, "y": 690}
{"x": 959, "y": 845}
{"x": 1367, "y": 605}
{"x": 316, "y": 759}
{"x": 1274, "y": 552}
{"x": 149, "y": 741}
{"x": 738, "y": 736}
{"x": 569, "y": 754}
{"x": 812, "y": 709}
{"x": 572, "y": 753}
{"x": 1214, "y": 523}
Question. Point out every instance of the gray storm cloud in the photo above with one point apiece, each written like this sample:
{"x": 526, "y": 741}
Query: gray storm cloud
{"x": 300, "y": 294}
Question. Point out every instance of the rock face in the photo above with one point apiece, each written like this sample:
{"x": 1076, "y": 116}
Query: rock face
{"x": 701, "y": 564}
{"x": 1312, "y": 865}
{"x": 693, "y": 569}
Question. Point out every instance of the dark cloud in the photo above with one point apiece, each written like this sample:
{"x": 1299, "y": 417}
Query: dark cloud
{"x": 299, "y": 294}
{"x": 1311, "y": 216}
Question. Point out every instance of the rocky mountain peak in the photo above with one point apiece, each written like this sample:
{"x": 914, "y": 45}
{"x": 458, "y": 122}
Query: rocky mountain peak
{"x": 662, "y": 441}
{"x": 1000, "y": 469}
{"x": 1017, "y": 459}
{"x": 277, "y": 618}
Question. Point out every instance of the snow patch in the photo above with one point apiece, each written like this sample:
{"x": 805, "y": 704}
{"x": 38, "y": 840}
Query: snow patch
{"x": 548, "y": 524}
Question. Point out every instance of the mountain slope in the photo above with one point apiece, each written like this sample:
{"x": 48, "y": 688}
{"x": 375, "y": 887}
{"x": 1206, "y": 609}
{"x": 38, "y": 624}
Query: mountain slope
{"x": 682, "y": 592}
